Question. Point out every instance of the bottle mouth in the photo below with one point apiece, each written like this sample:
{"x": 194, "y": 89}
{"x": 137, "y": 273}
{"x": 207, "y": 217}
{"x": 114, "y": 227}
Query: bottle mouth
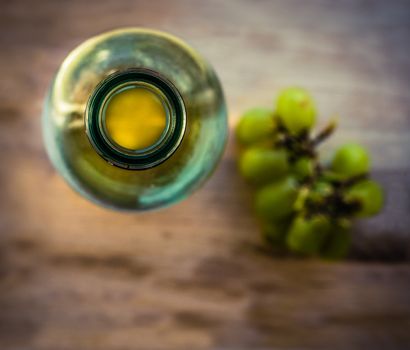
{"x": 135, "y": 119}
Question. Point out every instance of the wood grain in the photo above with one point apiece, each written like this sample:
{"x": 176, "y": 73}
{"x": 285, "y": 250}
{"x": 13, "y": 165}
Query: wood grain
{"x": 194, "y": 276}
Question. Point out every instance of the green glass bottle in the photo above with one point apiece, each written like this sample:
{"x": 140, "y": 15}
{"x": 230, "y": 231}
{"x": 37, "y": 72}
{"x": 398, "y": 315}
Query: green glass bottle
{"x": 135, "y": 119}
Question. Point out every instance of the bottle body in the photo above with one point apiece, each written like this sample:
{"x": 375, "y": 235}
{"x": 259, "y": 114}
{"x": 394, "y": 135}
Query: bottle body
{"x": 102, "y": 170}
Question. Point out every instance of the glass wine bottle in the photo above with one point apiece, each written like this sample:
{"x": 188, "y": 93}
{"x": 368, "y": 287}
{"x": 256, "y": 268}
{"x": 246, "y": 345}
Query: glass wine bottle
{"x": 135, "y": 119}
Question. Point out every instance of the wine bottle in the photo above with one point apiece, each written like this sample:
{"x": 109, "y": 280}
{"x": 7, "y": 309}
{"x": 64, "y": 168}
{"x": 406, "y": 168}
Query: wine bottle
{"x": 135, "y": 119}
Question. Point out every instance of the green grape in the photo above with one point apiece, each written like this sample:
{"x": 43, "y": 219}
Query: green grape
{"x": 275, "y": 201}
{"x": 307, "y": 235}
{"x": 370, "y": 196}
{"x": 351, "y": 160}
{"x": 303, "y": 168}
{"x": 260, "y": 166}
{"x": 332, "y": 177}
{"x": 338, "y": 243}
{"x": 275, "y": 233}
{"x": 255, "y": 125}
{"x": 296, "y": 109}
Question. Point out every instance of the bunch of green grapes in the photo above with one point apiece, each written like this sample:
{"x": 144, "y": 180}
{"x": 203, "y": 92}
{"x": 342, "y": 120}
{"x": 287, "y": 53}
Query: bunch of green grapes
{"x": 302, "y": 205}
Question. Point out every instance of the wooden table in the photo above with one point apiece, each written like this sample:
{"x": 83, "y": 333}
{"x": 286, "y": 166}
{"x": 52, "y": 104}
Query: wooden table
{"x": 76, "y": 276}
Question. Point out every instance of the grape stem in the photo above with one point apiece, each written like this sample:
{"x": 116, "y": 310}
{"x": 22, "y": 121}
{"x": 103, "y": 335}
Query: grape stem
{"x": 302, "y": 145}
{"x": 333, "y": 205}
{"x": 324, "y": 133}
{"x": 297, "y": 145}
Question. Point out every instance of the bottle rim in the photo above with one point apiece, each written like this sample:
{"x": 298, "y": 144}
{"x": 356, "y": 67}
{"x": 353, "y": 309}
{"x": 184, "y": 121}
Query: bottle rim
{"x": 169, "y": 140}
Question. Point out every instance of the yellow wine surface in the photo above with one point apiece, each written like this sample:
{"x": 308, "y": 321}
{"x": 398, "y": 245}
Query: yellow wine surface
{"x": 135, "y": 118}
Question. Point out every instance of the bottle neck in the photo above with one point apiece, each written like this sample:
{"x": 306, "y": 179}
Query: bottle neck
{"x": 99, "y": 116}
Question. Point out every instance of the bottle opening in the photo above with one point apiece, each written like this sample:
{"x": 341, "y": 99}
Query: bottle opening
{"x": 135, "y": 119}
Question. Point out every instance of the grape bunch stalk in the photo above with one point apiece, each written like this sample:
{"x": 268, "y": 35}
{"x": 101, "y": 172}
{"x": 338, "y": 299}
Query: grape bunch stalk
{"x": 304, "y": 206}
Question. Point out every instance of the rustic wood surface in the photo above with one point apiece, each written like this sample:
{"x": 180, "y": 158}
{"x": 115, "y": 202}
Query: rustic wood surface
{"x": 76, "y": 276}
